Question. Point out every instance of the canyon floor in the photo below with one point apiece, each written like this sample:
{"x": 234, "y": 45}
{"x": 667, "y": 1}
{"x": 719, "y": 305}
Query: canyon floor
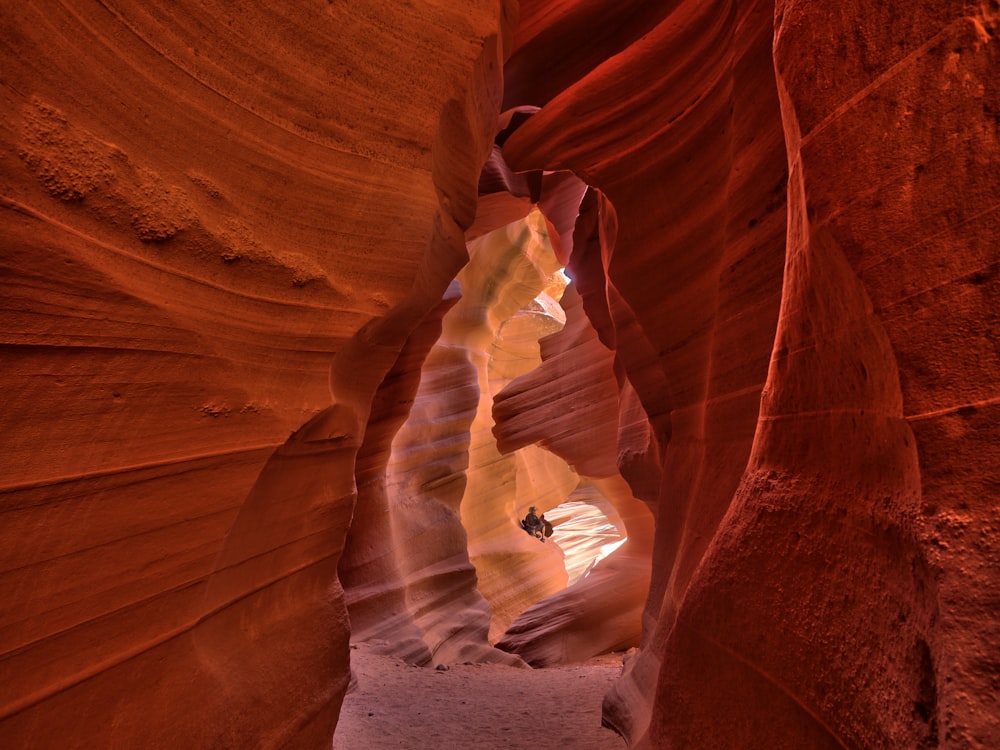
{"x": 485, "y": 706}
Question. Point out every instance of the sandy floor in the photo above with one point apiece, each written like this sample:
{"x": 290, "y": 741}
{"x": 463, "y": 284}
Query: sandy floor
{"x": 483, "y": 707}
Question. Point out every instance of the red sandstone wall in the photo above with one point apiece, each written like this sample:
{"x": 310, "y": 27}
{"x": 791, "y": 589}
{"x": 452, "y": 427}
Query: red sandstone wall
{"x": 203, "y": 204}
{"x": 823, "y": 572}
{"x": 791, "y": 267}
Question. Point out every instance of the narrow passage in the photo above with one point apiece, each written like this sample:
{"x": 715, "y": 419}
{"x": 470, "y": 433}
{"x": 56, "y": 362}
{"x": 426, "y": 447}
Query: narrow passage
{"x": 391, "y": 704}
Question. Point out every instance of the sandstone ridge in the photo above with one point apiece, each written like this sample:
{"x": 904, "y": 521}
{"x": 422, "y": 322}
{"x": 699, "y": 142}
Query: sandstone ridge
{"x": 288, "y": 349}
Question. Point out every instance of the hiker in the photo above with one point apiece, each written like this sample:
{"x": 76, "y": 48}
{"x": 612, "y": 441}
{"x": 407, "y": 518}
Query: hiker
{"x": 539, "y": 528}
{"x": 532, "y": 524}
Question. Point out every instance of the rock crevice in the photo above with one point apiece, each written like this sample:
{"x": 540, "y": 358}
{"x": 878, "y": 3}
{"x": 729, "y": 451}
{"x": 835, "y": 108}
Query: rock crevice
{"x": 250, "y": 411}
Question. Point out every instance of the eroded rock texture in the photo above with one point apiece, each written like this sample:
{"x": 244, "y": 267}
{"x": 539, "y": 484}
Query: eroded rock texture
{"x": 231, "y": 345}
{"x": 221, "y": 224}
{"x": 444, "y": 531}
{"x": 824, "y": 570}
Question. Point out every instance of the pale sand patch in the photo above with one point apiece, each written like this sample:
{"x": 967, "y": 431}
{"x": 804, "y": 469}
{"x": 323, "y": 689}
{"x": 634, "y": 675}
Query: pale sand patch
{"x": 484, "y": 707}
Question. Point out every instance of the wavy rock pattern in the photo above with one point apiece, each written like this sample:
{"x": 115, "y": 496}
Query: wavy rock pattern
{"x": 200, "y": 214}
{"x": 570, "y": 405}
{"x": 435, "y": 530}
{"x": 810, "y": 531}
{"x": 511, "y": 284}
{"x": 442, "y": 530}
{"x": 228, "y": 237}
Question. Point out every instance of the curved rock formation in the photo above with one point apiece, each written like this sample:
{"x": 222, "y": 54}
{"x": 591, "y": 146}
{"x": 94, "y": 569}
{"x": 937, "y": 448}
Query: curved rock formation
{"x": 799, "y": 583}
{"x": 439, "y": 530}
{"x": 513, "y": 281}
{"x": 570, "y": 405}
{"x": 229, "y": 349}
{"x": 200, "y": 211}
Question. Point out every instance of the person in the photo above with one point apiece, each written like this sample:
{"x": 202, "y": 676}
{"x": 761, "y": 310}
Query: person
{"x": 531, "y": 523}
{"x": 546, "y": 527}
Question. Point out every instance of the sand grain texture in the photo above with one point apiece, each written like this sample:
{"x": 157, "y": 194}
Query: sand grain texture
{"x": 391, "y": 704}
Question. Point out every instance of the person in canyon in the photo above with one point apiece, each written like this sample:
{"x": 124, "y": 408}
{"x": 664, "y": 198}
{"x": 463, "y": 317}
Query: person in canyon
{"x": 532, "y": 523}
{"x": 537, "y": 527}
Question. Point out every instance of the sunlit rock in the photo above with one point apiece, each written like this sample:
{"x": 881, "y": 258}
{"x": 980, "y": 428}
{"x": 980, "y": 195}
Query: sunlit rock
{"x": 587, "y": 529}
{"x": 227, "y": 246}
{"x": 509, "y": 307}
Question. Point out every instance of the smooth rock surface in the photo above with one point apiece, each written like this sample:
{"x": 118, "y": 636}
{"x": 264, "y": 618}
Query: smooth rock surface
{"x": 814, "y": 577}
{"x": 238, "y": 378}
{"x": 208, "y": 268}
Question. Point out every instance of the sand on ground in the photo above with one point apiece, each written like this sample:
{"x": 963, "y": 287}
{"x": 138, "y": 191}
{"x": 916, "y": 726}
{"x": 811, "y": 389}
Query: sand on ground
{"x": 391, "y": 704}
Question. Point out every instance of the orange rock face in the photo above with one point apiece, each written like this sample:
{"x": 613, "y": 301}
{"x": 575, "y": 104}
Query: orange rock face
{"x": 261, "y": 396}
{"x": 815, "y": 578}
{"x": 209, "y": 267}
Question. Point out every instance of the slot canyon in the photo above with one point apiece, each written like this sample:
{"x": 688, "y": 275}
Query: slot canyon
{"x": 305, "y": 304}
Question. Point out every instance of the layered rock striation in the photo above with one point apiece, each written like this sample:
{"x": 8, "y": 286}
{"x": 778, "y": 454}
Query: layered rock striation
{"x": 248, "y": 414}
{"x": 786, "y": 179}
{"x": 217, "y": 238}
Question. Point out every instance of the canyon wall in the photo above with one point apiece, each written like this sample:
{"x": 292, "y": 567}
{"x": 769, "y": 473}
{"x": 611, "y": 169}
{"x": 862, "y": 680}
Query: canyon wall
{"x": 234, "y": 348}
{"x": 221, "y": 224}
{"x": 806, "y": 216}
